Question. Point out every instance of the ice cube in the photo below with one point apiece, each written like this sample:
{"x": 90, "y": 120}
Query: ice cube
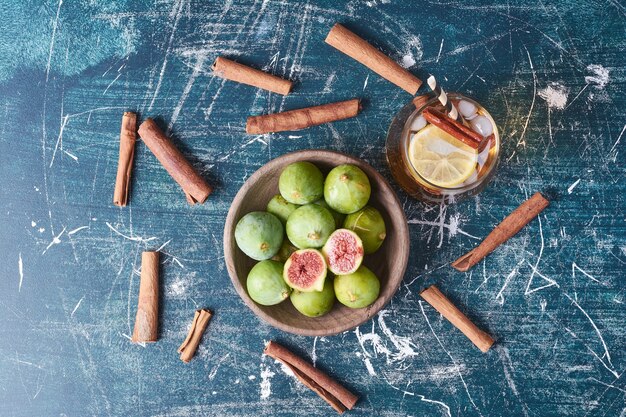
{"x": 483, "y": 156}
{"x": 482, "y": 125}
{"x": 467, "y": 109}
{"x": 418, "y": 123}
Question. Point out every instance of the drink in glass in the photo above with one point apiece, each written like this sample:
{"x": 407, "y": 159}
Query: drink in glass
{"x": 431, "y": 160}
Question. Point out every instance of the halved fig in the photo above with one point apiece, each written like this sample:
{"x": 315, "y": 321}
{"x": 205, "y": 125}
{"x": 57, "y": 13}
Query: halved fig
{"x": 305, "y": 270}
{"x": 343, "y": 252}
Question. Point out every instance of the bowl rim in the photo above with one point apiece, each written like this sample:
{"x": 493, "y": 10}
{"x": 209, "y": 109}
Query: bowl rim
{"x": 395, "y": 210}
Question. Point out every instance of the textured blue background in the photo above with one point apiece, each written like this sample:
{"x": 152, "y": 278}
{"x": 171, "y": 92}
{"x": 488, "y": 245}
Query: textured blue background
{"x": 551, "y": 73}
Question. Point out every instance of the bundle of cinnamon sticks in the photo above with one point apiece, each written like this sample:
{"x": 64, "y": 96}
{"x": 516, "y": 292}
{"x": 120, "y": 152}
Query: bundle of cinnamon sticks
{"x": 456, "y": 129}
{"x": 194, "y": 186}
{"x": 340, "y": 398}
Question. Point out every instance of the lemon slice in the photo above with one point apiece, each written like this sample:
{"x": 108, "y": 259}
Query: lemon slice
{"x": 440, "y": 158}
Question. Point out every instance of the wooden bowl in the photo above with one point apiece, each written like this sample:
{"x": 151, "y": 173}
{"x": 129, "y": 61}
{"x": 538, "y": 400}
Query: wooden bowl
{"x": 388, "y": 263}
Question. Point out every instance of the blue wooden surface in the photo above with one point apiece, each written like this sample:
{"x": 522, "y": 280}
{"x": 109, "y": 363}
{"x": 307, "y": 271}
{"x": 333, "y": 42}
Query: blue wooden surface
{"x": 551, "y": 73}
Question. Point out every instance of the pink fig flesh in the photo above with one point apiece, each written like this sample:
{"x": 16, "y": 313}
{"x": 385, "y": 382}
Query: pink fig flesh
{"x": 305, "y": 270}
{"x": 343, "y": 252}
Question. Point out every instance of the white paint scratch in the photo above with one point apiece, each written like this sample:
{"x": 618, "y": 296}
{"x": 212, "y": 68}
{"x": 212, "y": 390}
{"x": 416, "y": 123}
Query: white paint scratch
{"x": 133, "y": 238}
{"x": 618, "y": 139}
{"x": 607, "y": 355}
{"x": 18, "y": 360}
{"x": 167, "y": 51}
{"x": 59, "y": 139}
{"x": 427, "y": 272}
{"x": 369, "y": 366}
{"x": 532, "y": 103}
{"x": 404, "y": 345}
{"x": 451, "y": 358}
{"x": 313, "y": 352}
{"x": 421, "y": 397}
{"x": 55, "y": 241}
{"x": 111, "y": 83}
{"x": 485, "y": 280}
{"x": 570, "y": 189}
{"x": 366, "y": 355}
{"x": 593, "y": 352}
{"x": 163, "y": 245}
{"x": 500, "y": 295}
{"x": 452, "y": 227}
{"x": 71, "y": 155}
{"x": 142, "y": 344}
{"x": 607, "y": 385}
{"x": 209, "y": 110}
{"x": 77, "y": 305}
{"x": 192, "y": 79}
{"x": 507, "y": 367}
{"x": 54, "y": 32}
{"x": 377, "y": 345}
{"x": 440, "y": 49}
{"x": 20, "y": 268}
{"x": 577, "y": 95}
{"x": 534, "y": 269}
{"x": 444, "y": 405}
{"x": 329, "y": 82}
{"x": 78, "y": 229}
{"x": 585, "y": 273}
{"x": 213, "y": 372}
{"x": 535, "y": 272}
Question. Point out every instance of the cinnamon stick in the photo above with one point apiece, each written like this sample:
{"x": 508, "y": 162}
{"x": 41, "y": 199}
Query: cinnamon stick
{"x": 200, "y": 321}
{"x": 128, "y": 135}
{"x": 234, "y": 71}
{"x": 194, "y": 186}
{"x": 303, "y": 118}
{"x": 331, "y": 391}
{"x": 360, "y": 50}
{"x": 147, "y": 319}
{"x": 454, "y": 128}
{"x": 419, "y": 101}
{"x": 508, "y": 228}
{"x": 443, "y": 305}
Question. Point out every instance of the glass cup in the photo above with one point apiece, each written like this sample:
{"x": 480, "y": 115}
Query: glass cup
{"x": 433, "y": 166}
